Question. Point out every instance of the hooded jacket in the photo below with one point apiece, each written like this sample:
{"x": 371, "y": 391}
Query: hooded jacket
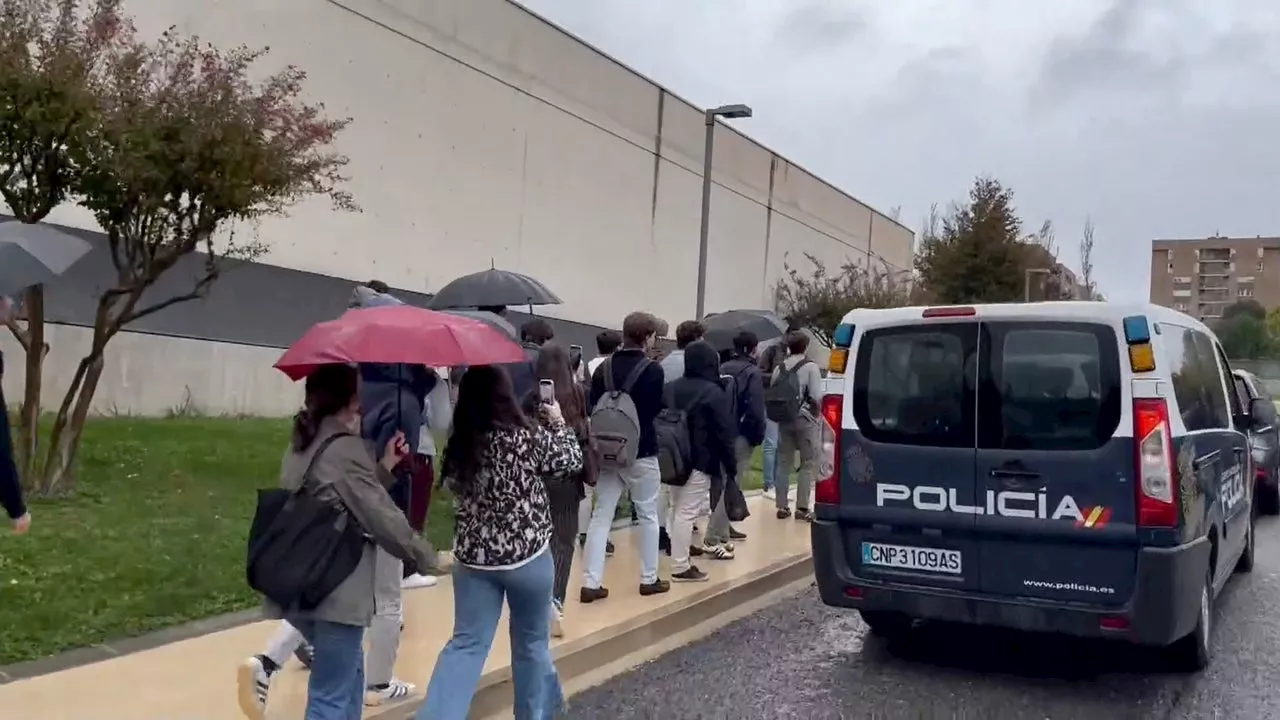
{"x": 706, "y": 407}
{"x": 749, "y": 380}
{"x": 524, "y": 375}
{"x": 392, "y": 396}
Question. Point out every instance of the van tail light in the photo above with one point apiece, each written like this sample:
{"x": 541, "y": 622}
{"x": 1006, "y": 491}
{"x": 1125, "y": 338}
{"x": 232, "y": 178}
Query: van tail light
{"x": 1154, "y": 450}
{"x": 828, "y": 487}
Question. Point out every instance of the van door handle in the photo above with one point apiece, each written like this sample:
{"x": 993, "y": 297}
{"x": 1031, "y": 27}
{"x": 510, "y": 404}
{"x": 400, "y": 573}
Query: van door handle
{"x": 1018, "y": 479}
{"x": 1200, "y": 462}
{"x": 1018, "y": 475}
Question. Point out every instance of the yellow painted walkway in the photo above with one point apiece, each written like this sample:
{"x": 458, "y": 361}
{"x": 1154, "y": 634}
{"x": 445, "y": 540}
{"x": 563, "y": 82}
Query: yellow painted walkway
{"x": 195, "y": 679}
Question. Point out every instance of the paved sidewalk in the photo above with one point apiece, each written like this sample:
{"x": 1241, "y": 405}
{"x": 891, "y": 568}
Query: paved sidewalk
{"x": 194, "y": 679}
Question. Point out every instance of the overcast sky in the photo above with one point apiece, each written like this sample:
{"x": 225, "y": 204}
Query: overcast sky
{"x": 1158, "y": 118}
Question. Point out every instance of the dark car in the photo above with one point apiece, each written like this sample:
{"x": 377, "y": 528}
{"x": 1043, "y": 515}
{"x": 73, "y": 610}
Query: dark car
{"x": 1264, "y": 442}
{"x": 1071, "y": 467}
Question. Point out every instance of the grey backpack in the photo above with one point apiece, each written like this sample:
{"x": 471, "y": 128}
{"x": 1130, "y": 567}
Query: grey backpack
{"x": 785, "y": 397}
{"x": 615, "y": 424}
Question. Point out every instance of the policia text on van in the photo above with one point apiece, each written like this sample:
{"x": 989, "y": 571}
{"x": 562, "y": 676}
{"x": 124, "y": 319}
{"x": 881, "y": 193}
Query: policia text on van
{"x": 1063, "y": 467}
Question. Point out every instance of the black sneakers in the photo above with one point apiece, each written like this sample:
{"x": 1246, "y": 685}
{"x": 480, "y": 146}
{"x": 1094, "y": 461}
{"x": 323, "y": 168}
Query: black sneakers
{"x": 736, "y": 536}
{"x": 693, "y": 574}
{"x": 657, "y": 587}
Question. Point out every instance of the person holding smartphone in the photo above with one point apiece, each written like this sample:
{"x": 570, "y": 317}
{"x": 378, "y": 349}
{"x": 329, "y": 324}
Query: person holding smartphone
{"x": 564, "y": 492}
{"x": 496, "y": 463}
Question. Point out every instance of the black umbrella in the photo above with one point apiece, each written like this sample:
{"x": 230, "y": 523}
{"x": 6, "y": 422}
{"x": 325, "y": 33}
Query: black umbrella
{"x": 723, "y": 327}
{"x": 31, "y": 254}
{"x": 493, "y": 288}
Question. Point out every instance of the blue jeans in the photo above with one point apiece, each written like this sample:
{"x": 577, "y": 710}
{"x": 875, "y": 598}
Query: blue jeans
{"x": 477, "y": 605}
{"x": 335, "y": 690}
{"x": 642, "y": 479}
{"x": 769, "y": 453}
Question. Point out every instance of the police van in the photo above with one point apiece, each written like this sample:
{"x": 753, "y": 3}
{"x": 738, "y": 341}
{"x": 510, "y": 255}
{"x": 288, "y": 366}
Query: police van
{"x": 1069, "y": 467}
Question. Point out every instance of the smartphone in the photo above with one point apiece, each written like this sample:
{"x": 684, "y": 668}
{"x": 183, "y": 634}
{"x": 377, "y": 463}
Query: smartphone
{"x": 575, "y": 355}
{"x": 547, "y": 391}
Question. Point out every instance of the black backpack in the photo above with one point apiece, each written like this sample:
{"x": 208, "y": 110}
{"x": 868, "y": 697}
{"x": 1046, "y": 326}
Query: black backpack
{"x": 675, "y": 447}
{"x": 785, "y": 397}
{"x": 300, "y": 548}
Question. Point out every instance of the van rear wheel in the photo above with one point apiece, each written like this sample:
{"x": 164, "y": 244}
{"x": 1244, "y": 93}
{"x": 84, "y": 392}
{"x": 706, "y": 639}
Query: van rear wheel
{"x": 1245, "y": 563}
{"x": 886, "y": 623}
{"x": 1193, "y": 652}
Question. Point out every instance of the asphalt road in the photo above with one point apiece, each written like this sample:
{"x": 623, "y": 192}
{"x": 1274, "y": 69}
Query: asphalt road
{"x": 800, "y": 659}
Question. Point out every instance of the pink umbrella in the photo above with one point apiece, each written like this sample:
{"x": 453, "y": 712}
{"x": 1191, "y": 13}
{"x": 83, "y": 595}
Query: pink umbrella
{"x": 399, "y": 334}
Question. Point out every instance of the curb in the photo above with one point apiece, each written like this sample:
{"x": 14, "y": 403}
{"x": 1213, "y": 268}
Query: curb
{"x": 147, "y": 641}
{"x": 582, "y": 656}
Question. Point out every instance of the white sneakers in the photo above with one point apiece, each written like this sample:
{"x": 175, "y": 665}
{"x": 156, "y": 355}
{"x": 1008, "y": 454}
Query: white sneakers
{"x": 252, "y": 683}
{"x": 418, "y": 580}
{"x": 395, "y": 691}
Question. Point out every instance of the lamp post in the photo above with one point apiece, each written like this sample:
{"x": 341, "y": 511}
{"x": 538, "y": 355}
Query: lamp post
{"x": 724, "y": 111}
{"x": 1026, "y": 283}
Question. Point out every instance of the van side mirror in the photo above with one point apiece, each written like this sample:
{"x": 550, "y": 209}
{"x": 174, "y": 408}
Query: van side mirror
{"x": 1262, "y": 412}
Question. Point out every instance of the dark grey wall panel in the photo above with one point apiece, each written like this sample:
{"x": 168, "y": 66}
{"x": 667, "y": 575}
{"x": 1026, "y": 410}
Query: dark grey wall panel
{"x": 251, "y": 304}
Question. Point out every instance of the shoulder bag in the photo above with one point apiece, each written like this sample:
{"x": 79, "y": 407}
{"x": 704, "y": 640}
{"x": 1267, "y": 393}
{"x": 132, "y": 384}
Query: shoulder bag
{"x": 301, "y": 548}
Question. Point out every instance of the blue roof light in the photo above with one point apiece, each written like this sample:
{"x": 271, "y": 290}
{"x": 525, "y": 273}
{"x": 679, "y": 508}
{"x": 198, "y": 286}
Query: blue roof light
{"x": 1136, "y": 329}
{"x": 843, "y": 336}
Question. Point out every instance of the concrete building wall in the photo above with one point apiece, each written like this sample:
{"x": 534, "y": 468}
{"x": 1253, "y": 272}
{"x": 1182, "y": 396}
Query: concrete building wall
{"x": 157, "y": 375}
{"x": 483, "y": 135}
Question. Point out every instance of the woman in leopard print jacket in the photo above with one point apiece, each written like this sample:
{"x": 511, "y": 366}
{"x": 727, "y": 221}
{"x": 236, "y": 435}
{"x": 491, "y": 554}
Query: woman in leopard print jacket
{"x": 494, "y": 464}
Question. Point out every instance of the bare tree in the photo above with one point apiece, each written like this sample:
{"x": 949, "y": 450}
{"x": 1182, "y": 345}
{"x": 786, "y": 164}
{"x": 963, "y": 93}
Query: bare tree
{"x": 1086, "y": 260}
{"x": 1046, "y": 238}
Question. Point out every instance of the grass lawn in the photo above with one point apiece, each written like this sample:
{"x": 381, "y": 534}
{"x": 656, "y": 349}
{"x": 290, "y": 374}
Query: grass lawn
{"x": 154, "y": 536}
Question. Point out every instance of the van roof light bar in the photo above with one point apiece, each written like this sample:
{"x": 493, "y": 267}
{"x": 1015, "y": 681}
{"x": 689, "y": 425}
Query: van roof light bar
{"x": 956, "y": 311}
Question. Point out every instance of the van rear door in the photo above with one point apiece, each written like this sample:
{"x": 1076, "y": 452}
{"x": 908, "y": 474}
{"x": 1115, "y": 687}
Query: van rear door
{"x": 908, "y": 460}
{"x": 1055, "y": 462}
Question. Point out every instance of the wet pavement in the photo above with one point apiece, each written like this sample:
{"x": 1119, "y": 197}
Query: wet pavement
{"x": 801, "y": 659}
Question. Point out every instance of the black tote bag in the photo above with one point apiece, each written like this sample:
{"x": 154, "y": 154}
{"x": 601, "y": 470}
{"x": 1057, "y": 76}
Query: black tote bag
{"x": 301, "y": 548}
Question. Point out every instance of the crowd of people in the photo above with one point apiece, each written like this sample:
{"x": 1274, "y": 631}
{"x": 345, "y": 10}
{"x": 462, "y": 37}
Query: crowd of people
{"x": 538, "y": 456}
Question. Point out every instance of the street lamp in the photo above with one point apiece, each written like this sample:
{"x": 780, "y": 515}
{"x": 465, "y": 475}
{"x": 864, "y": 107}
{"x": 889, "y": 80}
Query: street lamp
{"x": 724, "y": 111}
{"x": 1026, "y": 283}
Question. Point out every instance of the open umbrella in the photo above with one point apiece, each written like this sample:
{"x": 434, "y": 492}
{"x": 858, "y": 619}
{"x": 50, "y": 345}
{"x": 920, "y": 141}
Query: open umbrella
{"x": 398, "y": 334}
{"x": 493, "y": 288}
{"x": 722, "y": 327}
{"x": 35, "y": 253}
{"x": 493, "y": 320}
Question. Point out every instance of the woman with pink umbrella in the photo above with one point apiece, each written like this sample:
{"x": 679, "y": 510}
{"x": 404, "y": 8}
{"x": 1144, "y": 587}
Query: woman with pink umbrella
{"x": 325, "y": 464}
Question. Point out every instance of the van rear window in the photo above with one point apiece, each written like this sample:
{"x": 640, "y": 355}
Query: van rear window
{"x": 995, "y": 385}
{"x": 1048, "y": 386}
{"x": 915, "y": 385}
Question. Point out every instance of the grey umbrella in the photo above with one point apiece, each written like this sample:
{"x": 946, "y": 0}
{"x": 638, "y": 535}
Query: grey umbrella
{"x": 493, "y": 288}
{"x": 492, "y": 319}
{"x": 31, "y": 254}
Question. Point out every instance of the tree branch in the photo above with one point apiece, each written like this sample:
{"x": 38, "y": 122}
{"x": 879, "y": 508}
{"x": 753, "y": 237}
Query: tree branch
{"x": 19, "y": 334}
{"x": 201, "y": 288}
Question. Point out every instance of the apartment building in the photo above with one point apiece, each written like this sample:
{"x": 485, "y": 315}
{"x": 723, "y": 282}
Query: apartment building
{"x": 1201, "y": 277}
